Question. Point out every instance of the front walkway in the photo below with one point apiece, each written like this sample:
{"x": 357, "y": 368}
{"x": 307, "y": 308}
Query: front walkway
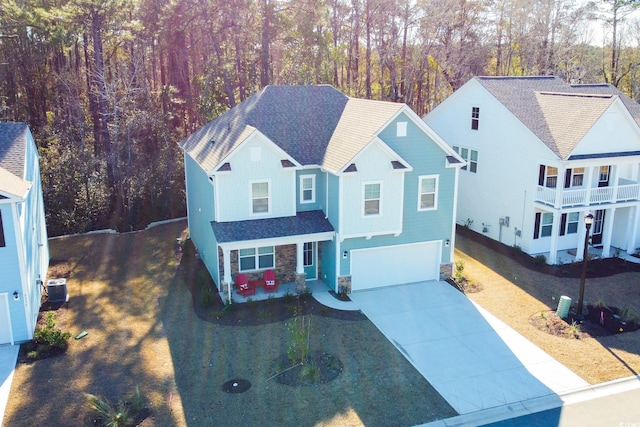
{"x": 471, "y": 358}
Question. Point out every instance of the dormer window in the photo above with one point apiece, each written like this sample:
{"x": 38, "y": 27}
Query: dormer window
{"x": 475, "y": 117}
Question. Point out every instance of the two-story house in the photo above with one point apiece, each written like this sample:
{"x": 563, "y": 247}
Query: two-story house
{"x": 319, "y": 186}
{"x": 24, "y": 251}
{"x": 541, "y": 155}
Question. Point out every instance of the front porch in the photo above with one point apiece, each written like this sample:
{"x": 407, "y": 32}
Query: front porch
{"x": 568, "y": 256}
{"x": 311, "y": 286}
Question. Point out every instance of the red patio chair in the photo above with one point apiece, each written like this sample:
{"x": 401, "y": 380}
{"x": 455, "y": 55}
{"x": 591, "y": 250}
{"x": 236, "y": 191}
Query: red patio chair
{"x": 270, "y": 282}
{"x": 244, "y": 287}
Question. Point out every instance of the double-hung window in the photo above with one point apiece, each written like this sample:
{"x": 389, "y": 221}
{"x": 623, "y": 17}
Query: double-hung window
{"x": 543, "y": 225}
{"x": 428, "y": 193}
{"x": 548, "y": 176}
{"x": 470, "y": 156}
{"x": 475, "y": 118}
{"x": 372, "y": 199}
{"x": 256, "y": 258}
{"x": 307, "y": 188}
{"x": 260, "y": 197}
{"x": 569, "y": 223}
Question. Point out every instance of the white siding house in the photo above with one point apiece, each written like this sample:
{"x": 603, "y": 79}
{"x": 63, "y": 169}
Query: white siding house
{"x": 541, "y": 155}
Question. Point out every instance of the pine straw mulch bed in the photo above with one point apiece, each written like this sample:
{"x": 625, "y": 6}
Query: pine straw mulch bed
{"x": 518, "y": 288}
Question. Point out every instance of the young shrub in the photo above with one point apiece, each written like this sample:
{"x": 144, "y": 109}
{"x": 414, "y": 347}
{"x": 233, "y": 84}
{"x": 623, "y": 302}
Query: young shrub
{"x": 50, "y": 337}
{"x": 207, "y": 297}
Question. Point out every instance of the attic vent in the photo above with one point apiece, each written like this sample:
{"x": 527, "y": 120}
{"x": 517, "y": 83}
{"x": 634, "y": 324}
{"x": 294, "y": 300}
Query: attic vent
{"x": 397, "y": 165}
{"x": 351, "y": 168}
{"x": 225, "y": 167}
{"x": 286, "y": 163}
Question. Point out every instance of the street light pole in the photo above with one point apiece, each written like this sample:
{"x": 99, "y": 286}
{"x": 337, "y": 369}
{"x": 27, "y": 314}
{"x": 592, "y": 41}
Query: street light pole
{"x": 588, "y": 220}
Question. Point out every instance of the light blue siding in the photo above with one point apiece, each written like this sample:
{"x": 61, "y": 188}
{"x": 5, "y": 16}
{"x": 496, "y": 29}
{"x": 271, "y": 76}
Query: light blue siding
{"x": 200, "y": 196}
{"x": 10, "y": 266}
{"x": 426, "y": 158}
{"x": 333, "y": 210}
{"x": 25, "y": 258}
{"x": 321, "y": 191}
{"x": 328, "y": 258}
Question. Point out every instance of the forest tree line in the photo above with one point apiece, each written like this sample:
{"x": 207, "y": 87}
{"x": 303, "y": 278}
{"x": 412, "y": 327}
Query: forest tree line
{"x": 109, "y": 87}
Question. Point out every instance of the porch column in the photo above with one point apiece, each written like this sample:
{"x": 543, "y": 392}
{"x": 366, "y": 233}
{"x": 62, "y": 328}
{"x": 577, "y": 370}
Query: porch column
{"x": 615, "y": 172}
{"x": 607, "y": 232}
{"x": 553, "y": 247}
{"x": 226, "y": 256}
{"x": 588, "y": 179}
{"x": 634, "y": 217}
{"x": 557, "y": 203}
{"x": 301, "y": 277}
{"x": 299, "y": 258}
{"x": 581, "y": 232}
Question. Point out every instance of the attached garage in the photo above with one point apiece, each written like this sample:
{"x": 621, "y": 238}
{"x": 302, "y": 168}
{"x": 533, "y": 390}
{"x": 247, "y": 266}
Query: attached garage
{"x": 394, "y": 265}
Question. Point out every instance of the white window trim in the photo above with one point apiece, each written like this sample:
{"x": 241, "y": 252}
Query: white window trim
{"x": 260, "y": 181}
{"x": 467, "y": 167}
{"x": 577, "y": 221}
{"x": 544, "y": 225}
{"x": 435, "y": 198}
{"x": 401, "y": 129}
{"x": 313, "y": 189}
{"x": 364, "y": 186}
{"x": 256, "y": 257}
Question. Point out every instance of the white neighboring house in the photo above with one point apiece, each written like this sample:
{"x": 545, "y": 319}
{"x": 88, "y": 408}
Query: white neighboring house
{"x": 24, "y": 251}
{"x": 541, "y": 155}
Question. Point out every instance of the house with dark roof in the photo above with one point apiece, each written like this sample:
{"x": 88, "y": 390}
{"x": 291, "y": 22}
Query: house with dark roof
{"x": 24, "y": 251}
{"x": 320, "y": 186}
{"x": 542, "y": 154}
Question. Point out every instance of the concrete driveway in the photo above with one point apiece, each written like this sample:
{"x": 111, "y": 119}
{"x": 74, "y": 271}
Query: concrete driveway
{"x": 8, "y": 357}
{"x": 473, "y": 360}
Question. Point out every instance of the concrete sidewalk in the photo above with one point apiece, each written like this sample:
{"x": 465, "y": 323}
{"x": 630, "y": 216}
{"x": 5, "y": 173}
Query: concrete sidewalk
{"x": 8, "y": 358}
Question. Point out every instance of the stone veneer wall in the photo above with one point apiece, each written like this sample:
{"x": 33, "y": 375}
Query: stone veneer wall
{"x": 446, "y": 271}
{"x": 285, "y": 264}
{"x": 344, "y": 282}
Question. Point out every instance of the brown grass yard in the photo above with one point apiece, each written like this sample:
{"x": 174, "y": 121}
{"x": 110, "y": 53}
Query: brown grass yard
{"x": 514, "y": 294}
{"x": 131, "y": 293}
{"x": 136, "y": 296}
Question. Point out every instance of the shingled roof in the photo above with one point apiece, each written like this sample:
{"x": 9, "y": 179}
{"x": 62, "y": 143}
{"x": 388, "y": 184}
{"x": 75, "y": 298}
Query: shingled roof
{"x": 306, "y": 222}
{"x": 556, "y": 112}
{"x": 315, "y": 125}
{"x": 13, "y": 148}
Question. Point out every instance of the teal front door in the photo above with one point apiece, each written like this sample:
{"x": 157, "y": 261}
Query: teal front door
{"x": 309, "y": 254}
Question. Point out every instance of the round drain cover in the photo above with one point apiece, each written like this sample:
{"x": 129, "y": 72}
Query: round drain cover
{"x": 237, "y": 385}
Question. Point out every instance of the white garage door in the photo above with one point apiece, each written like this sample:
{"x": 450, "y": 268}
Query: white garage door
{"x": 394, "y": 265}
{"x": 5, "y": 320}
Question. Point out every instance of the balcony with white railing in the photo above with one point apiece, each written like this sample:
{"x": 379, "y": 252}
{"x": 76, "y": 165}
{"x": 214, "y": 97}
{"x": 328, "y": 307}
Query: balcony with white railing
{"x": 565, "y": 198}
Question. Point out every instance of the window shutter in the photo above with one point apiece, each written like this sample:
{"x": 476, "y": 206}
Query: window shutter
{"x": 541, "y": 176}
{"x": 536, "y": 227}
{"x": 567, "y": 178}
{"x": 563, "y": 224}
